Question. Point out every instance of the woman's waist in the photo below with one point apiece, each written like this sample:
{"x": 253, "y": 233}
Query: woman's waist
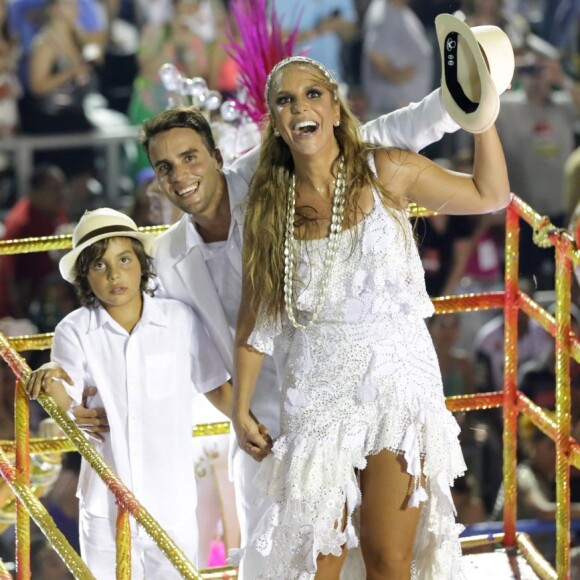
{"x": 367, "y": 316}
{"x": 386, "y": 323}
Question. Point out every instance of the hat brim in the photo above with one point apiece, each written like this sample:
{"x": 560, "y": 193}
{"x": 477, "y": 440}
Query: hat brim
{"x": 68, "y": 261}
{"x": 483, "y": 113}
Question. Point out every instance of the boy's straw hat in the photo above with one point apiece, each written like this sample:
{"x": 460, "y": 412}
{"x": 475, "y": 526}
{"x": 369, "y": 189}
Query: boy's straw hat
{"x": 477, "y": 67}
{"x": 97, "y": 225}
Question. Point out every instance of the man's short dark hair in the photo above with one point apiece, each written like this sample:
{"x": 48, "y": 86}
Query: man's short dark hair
{"x": 178, "y": 118}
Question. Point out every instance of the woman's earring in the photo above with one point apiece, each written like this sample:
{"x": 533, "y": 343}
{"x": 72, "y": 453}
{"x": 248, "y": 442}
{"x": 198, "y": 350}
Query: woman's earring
{"x": 337, "y": 123}
{"x": 276, "y": 133}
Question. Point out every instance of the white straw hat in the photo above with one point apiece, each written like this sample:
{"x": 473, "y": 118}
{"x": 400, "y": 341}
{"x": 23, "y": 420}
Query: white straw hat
{"x": 97, "y": 225}
{"x": 477, "y": 67}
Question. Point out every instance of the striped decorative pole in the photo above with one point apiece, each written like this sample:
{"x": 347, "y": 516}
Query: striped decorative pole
{"x": 510, "y": 409}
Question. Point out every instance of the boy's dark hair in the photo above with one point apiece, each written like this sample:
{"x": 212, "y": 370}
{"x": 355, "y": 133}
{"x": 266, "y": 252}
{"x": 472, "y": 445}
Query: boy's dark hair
{"x": 178, "y": 118}
{"x": 95, "y": 252}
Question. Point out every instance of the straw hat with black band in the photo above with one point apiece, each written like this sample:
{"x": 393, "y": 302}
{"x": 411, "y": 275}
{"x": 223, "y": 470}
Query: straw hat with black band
{"x": 97, "y": 225}
{"x": 477, "y": 67}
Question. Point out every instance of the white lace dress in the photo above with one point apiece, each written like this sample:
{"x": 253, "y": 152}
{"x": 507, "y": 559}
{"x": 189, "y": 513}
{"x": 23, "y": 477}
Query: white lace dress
{"x": 363, "y": 378}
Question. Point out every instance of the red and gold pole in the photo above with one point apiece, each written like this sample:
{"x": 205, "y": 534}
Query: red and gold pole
{"x": 510, "y": 409}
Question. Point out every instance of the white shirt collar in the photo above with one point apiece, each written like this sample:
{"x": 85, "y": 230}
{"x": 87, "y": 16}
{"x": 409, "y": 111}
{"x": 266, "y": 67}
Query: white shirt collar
{"x": 151, "y": 314}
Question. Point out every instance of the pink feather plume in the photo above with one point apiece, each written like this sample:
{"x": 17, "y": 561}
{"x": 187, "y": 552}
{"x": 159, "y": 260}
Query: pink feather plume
{"x": 258, "y": 45}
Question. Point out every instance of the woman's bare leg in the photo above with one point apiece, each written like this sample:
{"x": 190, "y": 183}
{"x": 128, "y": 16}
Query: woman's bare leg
{"x": 387, "y": 525}
{"x": 329, "y": 567}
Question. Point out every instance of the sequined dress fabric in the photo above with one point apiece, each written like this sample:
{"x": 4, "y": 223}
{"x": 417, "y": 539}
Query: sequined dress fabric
{"x": 363, "y": 378}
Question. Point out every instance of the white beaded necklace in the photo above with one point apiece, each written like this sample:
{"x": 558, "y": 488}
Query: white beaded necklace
{"x": 338, "y": 205}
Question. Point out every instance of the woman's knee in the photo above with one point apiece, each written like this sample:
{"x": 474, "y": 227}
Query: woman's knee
{"x": 382, "y": 562}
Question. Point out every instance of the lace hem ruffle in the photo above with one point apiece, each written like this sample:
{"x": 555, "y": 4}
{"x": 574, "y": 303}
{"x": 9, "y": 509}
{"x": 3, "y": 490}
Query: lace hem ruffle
{"x": 310, "y": 482}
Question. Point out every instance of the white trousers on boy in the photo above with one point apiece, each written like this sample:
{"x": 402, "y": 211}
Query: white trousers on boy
{"x": 148, "y": 562}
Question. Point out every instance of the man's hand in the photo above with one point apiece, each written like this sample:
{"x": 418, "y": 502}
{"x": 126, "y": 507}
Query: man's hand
{"x": 253, "y": 437}
{"x": 92, "y": 421}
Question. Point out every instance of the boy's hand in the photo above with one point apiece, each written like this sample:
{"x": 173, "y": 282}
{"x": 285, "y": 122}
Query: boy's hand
{"x": 39, "y": 380}
{"x": 92, "y": 421}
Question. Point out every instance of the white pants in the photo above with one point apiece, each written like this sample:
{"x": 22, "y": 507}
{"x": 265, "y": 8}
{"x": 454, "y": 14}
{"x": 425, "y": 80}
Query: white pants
{"x": 250, "y": 507}
{"x": 98, "y": 550}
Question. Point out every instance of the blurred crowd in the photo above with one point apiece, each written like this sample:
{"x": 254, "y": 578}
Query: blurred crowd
{"x": 70, "y": 66}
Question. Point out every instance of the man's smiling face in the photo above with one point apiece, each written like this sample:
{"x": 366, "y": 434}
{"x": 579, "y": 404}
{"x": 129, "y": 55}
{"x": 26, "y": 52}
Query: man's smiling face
{"x": 187, "y": 172}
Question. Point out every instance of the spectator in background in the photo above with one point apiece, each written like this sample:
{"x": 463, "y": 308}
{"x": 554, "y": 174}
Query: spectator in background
{"x": 479, "y": 262}
{"x": 60, "y": 78}
{"x": 140, "y": 211}
{"x": 45, "y": 563}
{"x": 561, "y": 27}
{"x": 26, "y": 18}
{"x": 119, "y": 67}
{"x": 427, "y": 12}
{"x": 7, "y": 386}
{"x": 444, "y": 248}
{"x": 470, "y": 508}
{"x": 482, "y": 12}
{"x": 536, "y": 491}
{"x": 54, "y": 301}
{"x": 172, "y": 41}
{"x": 352, "y": 49}
{"x": 480, "y": 440}
{"x": 533, "y": 343}
{"x": 40, "y": 213}
{"x": 163, "y": 212}
{"x": 206, "y": 20}
{"x": 9, "y": 85}
{"x": 61, "y": 501}
{"x": 323, "y": 26}
{"x": 460, "y": 254}
{"x": 537, "y": 380}
{"x": 397, "y": 59}
{"x": 483, "y": 270}
{"x": 542, "y": 117}
{"x": 457, "y": 369}
{"x": 16, "y": 327}
{"x": 572, "y": 185}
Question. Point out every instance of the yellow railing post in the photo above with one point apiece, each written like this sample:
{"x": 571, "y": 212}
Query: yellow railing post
{"x": 563, "y": 279}
{"x": 123, "y": 544}
{"x": 510, "y": 409}
{"x": 22, "y": 438}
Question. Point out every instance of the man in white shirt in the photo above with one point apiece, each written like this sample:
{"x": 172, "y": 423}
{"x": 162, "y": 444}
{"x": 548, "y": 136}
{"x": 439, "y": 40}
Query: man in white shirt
{"x": 198, "y": 260}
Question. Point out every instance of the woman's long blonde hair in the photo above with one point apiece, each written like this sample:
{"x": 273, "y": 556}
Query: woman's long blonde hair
{"x": 264, "y": 226}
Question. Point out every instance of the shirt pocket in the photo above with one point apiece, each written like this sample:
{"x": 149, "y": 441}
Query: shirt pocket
{"x": 161, "y": 375}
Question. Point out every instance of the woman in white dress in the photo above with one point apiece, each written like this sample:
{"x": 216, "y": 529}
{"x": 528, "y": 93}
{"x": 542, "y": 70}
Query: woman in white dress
{"x": 334, "y": 289}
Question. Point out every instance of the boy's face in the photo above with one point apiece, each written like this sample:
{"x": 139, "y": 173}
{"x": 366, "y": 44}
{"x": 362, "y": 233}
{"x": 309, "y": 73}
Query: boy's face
{"x": 115, "y": 277}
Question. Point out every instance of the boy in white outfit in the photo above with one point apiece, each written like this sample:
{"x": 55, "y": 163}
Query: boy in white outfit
{"x": 148, "y": 357}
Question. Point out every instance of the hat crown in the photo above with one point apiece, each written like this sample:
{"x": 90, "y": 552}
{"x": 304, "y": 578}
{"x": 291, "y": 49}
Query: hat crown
{"x": 477, "y": 67}
{"x": 99, "y": 221}
{"x": 498, "y": 53}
